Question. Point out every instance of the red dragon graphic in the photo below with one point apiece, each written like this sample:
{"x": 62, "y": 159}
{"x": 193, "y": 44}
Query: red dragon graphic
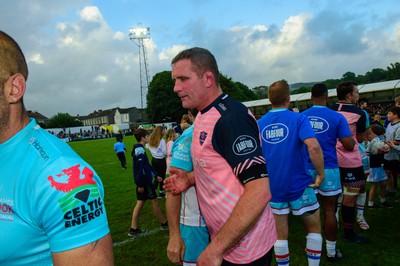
{"x": 74, "y": 178}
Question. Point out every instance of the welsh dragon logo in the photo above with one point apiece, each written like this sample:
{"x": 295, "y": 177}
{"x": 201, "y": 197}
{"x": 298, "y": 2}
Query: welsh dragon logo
{"x": 75, "y": 178}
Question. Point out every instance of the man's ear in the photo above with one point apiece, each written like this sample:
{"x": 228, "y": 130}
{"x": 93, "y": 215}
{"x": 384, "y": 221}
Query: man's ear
{"x": 210, "y": 79}
{"x": 15, "y": 89}
{"x": 288, "y": 99}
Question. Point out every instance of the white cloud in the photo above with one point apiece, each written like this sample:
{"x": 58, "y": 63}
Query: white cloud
{"x": 101, "y": 79}
{"x": 169, "y": 54}
{"x": 81, "y": 60}
{"x": 36, "y": 58}
{"x": 91, "y": 13}
{"x": 119, "y": 36}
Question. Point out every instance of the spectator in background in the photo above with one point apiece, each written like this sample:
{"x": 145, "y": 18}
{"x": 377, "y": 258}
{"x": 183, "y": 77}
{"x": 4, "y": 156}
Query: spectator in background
{"x": 120, "y": 149}
{"x": 376, "y": 120}
{"x": 158, "y": 149}
{"x": 392, "y": 158}
{"x": 143, "y": 175}
{"x": 184, "y": 120}
{"x": 362, "y": 196}
{"x": 396, "y": 103}
{"x": 377, "y": 177}
{"x": 170, "y": 137}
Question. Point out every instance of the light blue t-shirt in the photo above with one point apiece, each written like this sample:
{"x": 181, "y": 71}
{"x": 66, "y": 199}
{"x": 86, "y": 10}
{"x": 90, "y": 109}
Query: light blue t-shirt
{"x": 51, "y": 200}
{"x": 119, "y": 147}
{"x": 181, "y": 157}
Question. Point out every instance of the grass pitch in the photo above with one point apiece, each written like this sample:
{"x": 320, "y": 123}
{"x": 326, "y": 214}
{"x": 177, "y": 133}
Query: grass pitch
{"x": 150, "y": 249}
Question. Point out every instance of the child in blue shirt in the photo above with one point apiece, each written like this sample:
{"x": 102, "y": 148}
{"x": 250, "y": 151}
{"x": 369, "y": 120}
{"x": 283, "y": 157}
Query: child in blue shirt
{"x": 120, "y": 149}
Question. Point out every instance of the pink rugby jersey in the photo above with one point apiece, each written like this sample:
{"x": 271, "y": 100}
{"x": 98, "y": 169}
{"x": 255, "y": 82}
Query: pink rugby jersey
{"x": 356, "y": 119}
{"x": 226, "y": 154}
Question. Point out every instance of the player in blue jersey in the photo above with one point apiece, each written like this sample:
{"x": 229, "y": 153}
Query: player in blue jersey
{"x": 187, "y": 229}
{"x": 52, "y": 208}
{"x": 284, "y": 136}
{"x": 329, "y": 126}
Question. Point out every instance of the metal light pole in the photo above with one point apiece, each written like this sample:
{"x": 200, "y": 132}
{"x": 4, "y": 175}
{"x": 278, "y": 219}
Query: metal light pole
{"x": 138, "y": 35}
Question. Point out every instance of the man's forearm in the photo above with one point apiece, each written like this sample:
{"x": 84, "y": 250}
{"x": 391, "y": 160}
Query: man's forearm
{"x": 316, "y": 155}
{"x": 173, "y": 209}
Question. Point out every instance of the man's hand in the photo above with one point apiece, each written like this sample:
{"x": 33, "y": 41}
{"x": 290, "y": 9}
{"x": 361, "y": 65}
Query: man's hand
{"x": 317, "y": 181}
{"x": 176, "y": 249}
{"x": 140, "y": 189}
{"x": 178, "y": 181}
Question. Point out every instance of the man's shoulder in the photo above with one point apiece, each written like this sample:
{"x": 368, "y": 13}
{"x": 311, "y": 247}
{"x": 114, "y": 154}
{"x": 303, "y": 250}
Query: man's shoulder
{"x": 138, "y": 149}
{"x": 226, "y": 110}
{"x": 323, "y": 112}
{"x": 347, "y": 107}
{"x": 230, "y": 107}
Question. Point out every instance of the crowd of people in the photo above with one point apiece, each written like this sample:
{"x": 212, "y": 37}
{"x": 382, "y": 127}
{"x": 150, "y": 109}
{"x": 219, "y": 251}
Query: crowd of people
{"x": 323, "y": 155}
{"x": 233, "y": 180}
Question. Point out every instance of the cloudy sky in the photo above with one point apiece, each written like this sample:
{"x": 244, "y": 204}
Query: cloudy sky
{"x": 81, "y": 58}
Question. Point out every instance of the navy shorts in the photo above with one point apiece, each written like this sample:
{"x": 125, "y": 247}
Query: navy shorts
{"x": 149, "y": 193}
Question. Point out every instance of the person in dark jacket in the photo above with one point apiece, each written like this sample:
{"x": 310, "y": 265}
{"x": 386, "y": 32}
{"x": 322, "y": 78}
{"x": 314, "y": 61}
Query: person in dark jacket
{"x": 143, "y": 175}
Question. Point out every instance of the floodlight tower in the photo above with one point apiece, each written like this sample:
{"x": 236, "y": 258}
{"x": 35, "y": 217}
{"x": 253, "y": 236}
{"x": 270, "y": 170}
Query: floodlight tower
{"x": 139, "y": 35}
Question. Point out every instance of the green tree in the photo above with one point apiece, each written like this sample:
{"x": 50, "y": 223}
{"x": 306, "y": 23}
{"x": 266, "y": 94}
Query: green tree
{"x": 162, "y": 103}
{"x": 248, "y": 95}
{"x": 302, "y": 89}
{"x": 349, "y": 76}
{"x": 393, "y": 71}
{"x": 261, "y": 92}
{"x": 375, "y": 75}
{"x": 236, "y": 90}
{"x": 63, "y": 120}
{"x": 331, "y": 83}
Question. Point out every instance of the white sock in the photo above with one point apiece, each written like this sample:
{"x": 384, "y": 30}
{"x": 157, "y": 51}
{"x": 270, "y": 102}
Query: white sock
{"x": 370, "y": 203}
{"x": 281, "y": 249}
{"x": 331, "y": 248}
{"x": 314, "y": 248}
{"x": 360, "y": 205}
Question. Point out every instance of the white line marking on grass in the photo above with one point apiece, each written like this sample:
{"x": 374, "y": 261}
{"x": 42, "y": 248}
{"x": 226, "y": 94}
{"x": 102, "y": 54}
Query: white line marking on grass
{"x": 102, "y": 164}
{"x": 132, "y": 238}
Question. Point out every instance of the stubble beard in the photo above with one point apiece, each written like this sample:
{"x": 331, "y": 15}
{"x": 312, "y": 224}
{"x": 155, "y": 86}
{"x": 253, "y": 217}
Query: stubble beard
{"x": 4, "y": 115}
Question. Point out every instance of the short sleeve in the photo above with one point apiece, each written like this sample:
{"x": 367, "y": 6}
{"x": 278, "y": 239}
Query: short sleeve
{"x": 70, "y": 204}
{"x": 236, "y": 138}
{"x": 305, "y": 129}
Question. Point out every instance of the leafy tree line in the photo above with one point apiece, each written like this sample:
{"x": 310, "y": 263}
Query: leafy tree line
{"x": 163, "y": 105}
{"x": 62, "y": 120}
{"x": 375, "y": 75}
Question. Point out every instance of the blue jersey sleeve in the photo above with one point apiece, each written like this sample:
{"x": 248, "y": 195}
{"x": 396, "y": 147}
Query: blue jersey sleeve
{"x": 305, "y": 129}
{"x": 70, "y": 206}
